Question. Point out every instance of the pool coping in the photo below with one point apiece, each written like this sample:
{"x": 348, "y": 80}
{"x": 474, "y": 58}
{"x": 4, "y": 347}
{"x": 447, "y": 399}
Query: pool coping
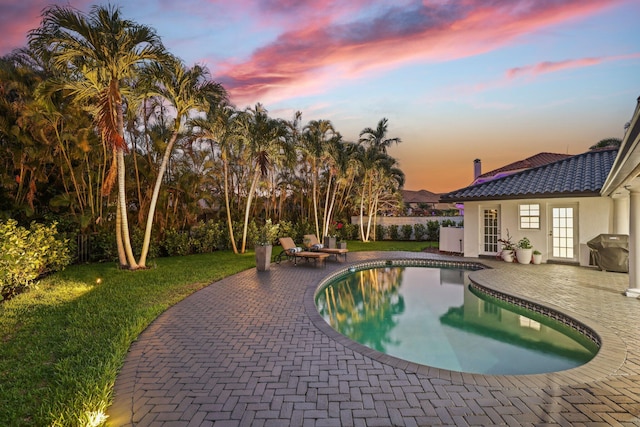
{"x": 610, "y": 357}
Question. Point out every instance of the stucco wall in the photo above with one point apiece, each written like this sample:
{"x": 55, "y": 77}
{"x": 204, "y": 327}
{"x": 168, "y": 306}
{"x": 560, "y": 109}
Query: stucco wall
{"x": 594, "y": 215}
{"x": 402, "y": 220}
{"x": 410, "y": 220}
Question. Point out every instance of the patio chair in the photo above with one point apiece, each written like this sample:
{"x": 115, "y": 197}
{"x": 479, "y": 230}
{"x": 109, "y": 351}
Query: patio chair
{"x": 311, "y": 243}
{"x": 292, "y": 252}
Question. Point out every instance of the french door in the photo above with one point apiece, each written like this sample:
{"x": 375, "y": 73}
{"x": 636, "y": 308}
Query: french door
{"x": 490, "y": 231}
{"x": 564, "y": 230}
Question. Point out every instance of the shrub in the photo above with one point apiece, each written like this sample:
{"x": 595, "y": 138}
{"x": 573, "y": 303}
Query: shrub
{"x": 176, "y": 243}
{"x": 301, "y": 229}
{"x": 287, "y": 229}
{"x": 393, "y": 232}
{"x": 350, "y": 232}
{"x": 419, "y": 231}
{"x": 433, "y": 231}
{"x": 252, "y": 235}
{"x": 137, "y": 239}
{"x": 267, "y": 233}
{"x": 448, "y": 223}
{"x": 380, "y": 231}
{"x": 103, "y": 245}
{"x": 407, "y": 231}
{"x": 27, "y": 255}
{"x": 210, "y": 236}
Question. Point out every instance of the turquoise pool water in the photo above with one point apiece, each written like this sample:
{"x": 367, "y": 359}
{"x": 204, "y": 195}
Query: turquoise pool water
{"x": 431, "y": 316}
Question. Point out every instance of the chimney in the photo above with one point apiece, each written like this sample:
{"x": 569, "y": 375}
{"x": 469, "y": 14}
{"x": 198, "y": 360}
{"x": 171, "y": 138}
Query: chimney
{"x": 477, "y": 168}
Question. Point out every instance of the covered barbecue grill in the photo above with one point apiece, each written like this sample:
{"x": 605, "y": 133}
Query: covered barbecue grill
{"x": 610, "y": 252}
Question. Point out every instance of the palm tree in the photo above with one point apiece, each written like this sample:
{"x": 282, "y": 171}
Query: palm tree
{"x": 265, "y": 138}
{"x": 220, "y": 127}
{"x": 378, "y": 137}
{"x": 315, "y": 146}
{"x": 186, "y": 90}
{"x": 99, "y": 52}
{"x": 338, "y": 152}
{"x": 377, "y": 166}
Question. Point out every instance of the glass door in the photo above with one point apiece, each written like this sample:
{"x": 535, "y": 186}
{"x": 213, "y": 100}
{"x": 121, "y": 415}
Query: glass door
{"x": 490, "y": 231}
{"x": 563, "y": 231}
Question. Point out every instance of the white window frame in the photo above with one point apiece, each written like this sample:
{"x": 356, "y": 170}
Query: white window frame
{"x": 529, "y": 216}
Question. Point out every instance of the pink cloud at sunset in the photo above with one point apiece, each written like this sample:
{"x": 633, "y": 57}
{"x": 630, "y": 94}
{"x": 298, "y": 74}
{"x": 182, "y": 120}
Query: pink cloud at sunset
{"x": 306, "y": 57}
{"x": 16, "y": 21}
{"x": 457, "y": 79}
{"x": 17, "y": 18}
{"x": 553, "y": 66}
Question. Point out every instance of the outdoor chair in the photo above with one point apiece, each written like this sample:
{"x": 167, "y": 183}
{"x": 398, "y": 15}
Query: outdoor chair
{"x": 311, "y": 243}
{"x": 292, "y": 252}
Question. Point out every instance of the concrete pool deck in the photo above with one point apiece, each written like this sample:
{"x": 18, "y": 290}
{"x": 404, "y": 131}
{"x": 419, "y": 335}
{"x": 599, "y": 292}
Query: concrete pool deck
{"x": 250, "y": 350}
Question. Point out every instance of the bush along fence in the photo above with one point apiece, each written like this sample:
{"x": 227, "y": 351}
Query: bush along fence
{"x": 203, "y": 237}
{"x": 418, "y": 229}
{"x": 29, "y": 253}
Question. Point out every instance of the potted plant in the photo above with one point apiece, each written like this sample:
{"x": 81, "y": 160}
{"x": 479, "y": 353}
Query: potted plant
{"x": 330, "y": 239}
{"x": 264, "y": 244}
{"x": 524, "y": 251}
{"x": 508, "y": 248}
{"x": 537, "y": 257}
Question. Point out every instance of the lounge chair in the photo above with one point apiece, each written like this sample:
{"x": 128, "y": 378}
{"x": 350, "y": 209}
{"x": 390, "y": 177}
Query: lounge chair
{"x": 292, "y": 252}
{"x": 311, "y": 243}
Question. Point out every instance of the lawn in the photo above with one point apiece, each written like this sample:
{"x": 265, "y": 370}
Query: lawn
{"x": 64, "y": 342}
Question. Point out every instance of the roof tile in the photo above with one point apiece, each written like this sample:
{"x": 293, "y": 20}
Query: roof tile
{"x": 582, "y": 174}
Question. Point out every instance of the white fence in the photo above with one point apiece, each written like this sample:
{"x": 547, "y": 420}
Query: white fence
{"x": 411, "y": 220}
{"x": 453, "y": 240}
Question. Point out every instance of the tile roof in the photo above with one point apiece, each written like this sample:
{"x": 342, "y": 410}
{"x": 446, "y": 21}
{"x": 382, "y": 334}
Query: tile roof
{"x": 421, "y": 196}
{"x": 580, "y": 175}
{"x": 539, "y": 159}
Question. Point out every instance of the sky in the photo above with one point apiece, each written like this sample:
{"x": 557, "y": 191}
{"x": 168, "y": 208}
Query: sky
{"x": 495, "y": 80}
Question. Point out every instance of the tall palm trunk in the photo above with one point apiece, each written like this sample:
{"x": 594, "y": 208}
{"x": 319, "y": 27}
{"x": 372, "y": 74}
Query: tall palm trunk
{"x": 362, "y": 196}
{"x": 122, "y": 194}
{"x": 254, "y": 184}
{"x": 326, "y": 215}
{"x": 122, "y": 258}
{"x": 314, "y": 178}
{"x": 122, "y": 200}
{"x": 154, "y": 198}
{"x": 225, "y": 168}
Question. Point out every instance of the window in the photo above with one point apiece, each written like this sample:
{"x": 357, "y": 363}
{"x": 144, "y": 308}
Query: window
{"x": 530, "y": 216}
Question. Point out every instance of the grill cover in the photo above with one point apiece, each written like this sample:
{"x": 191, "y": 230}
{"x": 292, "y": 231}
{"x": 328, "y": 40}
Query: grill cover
{"x": 610, "y": 252}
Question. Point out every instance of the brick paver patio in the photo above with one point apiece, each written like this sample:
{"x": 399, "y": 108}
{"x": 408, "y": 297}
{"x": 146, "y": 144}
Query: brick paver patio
{"x": 251, "y": 350}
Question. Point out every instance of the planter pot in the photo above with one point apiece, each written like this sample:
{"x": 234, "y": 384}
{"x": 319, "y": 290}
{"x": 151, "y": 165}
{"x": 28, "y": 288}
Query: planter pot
{"x": 342, "y": 245}
{"x": 524, "y": 255}
{"x": 330, "y": 242}
{"x": 537, "y": 259}
{"x": 507, "y": 256}
{"x": 263, "y": 257}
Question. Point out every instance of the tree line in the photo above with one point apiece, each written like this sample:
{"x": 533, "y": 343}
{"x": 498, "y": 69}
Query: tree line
{"x": 102, "y": 127}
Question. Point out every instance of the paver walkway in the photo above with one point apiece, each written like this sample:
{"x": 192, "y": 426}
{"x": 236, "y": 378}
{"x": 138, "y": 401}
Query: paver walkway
{"x": 250, "y": 350}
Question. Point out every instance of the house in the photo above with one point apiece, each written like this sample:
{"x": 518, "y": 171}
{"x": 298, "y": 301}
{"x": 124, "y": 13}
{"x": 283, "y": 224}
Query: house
{"x": 424, "y": 203}
{"x": 560, "y": 206}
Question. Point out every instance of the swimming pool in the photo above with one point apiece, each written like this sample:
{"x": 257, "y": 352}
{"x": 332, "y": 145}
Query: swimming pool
{"x": 430, "y": 316}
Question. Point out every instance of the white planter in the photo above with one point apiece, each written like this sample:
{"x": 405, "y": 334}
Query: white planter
{"x": 537, "y": 259}
{"x": 507, "y": 256}
{"x": 263, "y": 257}
{"x": 524, "y": 255}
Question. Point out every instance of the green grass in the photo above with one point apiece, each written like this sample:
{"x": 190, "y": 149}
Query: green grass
{"x": 411, "y": 246}
{"x": 63, "y": 343}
